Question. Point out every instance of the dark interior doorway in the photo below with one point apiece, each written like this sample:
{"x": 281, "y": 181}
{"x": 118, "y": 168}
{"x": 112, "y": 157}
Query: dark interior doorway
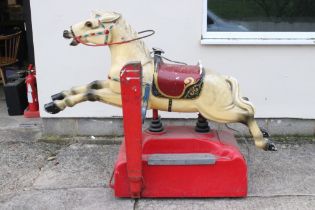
{"x": 15, "y": 15}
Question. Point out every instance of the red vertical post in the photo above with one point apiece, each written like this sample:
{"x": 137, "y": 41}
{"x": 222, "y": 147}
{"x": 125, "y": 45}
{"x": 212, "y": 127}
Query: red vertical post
{"x": 131, "y": 93}
{"x": 155, "y": 114}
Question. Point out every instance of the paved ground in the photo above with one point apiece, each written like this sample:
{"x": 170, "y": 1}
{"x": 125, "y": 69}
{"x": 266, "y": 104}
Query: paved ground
{"x": 75, "y": 175}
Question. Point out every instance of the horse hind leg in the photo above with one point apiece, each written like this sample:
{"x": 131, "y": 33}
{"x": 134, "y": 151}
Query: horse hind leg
{"x": 239, "y": 115}
{"x": 261, "y": 140}
{"x": 95, "y": 85}
{"x": 240, "y": 111}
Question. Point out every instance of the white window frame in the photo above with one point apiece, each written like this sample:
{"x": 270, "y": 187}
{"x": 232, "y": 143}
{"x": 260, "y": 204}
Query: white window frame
{"x": 253, "y": 38}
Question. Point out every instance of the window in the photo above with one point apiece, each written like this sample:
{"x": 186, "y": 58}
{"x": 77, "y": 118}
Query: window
{"x": 259, "y": 22}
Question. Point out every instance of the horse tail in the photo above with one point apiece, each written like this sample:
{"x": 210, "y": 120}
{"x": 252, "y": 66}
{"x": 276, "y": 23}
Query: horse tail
{"x": 238, "y": 100}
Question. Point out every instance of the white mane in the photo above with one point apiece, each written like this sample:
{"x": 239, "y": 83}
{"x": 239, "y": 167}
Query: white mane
{"x": 134, "y": 34}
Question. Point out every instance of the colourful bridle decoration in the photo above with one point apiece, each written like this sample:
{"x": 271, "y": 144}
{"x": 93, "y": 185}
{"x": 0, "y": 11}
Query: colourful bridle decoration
{"x": 106, "y": 33}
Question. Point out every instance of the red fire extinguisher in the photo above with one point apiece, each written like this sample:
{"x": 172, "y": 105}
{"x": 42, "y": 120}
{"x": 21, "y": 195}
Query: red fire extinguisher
{"x": 32, "y": 97}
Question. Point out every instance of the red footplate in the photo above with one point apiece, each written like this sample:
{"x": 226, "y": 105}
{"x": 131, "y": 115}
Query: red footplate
{"x": 182, "y": 163}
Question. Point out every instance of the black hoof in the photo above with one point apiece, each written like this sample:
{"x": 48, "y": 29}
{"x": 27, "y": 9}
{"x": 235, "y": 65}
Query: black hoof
{"x": 271, "y": 146}
{"x": 58, "y": 96}
{"x": 52, "y": 108}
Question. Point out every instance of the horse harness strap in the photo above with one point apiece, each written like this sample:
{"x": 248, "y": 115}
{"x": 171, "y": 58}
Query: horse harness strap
{"x": 106, "y": 32}
{"x": 145, "y": 100}
{"x": 170, "y": 103}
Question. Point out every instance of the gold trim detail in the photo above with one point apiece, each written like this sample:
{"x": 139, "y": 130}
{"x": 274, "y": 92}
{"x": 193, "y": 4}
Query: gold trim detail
{"x": 189, "y": 81}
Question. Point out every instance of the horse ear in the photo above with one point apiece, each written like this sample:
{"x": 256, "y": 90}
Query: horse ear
{"x": 110, "y": 17}
{"x": 96, "y": 14}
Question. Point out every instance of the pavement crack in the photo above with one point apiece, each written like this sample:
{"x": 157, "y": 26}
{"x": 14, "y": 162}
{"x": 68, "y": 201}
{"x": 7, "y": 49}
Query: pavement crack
{"x": 66, "y": 188}
{"x": 281, "y": 195}
{"x": 135, "y": 204}
{"x": 44, "y": 163}
{"x": 39, "y": 173}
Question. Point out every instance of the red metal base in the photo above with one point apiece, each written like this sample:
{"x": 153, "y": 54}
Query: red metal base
{"x": 227, "y": 177}
{"x": 31, "y": 114}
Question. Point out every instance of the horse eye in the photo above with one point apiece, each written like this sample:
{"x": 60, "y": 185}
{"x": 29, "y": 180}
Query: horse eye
{"x": 88, "y": 24}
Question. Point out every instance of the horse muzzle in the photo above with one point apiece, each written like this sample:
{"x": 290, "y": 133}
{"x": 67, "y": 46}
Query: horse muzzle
{"x": 69, "y": 35}
{"x": 74, "y": 42}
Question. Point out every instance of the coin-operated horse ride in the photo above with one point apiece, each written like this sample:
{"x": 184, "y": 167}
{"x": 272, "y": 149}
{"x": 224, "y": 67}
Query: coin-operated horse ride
{"x": 165, "y": 161}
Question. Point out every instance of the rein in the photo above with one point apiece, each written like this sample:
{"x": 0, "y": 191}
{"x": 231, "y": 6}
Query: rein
{"x": 106, "y": 33}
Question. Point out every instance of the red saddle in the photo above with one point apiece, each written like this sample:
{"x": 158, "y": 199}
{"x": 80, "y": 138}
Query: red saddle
{"x": 177, "y": 81}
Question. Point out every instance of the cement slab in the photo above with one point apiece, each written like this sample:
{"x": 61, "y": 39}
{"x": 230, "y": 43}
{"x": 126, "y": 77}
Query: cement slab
{"x": 113, "y": 126}
{"x": 289, "y": 171}
{"x": 297, "y": 127}
{"x": 79, "y": 165}
{"x": 250, "y": 203}
{"x": 21, "y": 163}
{"x": 19, "y": 135}
{"x": 75, "y": 198}
{"x": 16, "y": 122}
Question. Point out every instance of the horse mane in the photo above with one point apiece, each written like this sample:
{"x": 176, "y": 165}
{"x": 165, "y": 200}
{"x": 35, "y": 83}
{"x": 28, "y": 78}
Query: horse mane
{"x": 134, "y": 34}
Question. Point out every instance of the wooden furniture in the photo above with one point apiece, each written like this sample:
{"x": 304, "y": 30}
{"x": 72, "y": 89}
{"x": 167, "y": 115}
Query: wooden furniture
{"x": 9, "y": 46}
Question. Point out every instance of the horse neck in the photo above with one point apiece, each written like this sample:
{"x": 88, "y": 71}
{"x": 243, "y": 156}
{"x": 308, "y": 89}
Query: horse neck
{"x": 131, "y": 51}
{"x": 123, "y": 53}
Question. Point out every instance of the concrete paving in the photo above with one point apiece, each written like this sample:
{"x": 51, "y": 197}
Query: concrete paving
{"x": 78, "y": 165}
{"x": 15, "y": 122}
{"x": 75, "y": 174}
{"x": 250, "y": 203}
{"x": 74, "y": 198}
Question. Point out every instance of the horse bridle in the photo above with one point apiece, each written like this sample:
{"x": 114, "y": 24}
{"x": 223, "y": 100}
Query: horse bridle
{"x": 106, "y": 32}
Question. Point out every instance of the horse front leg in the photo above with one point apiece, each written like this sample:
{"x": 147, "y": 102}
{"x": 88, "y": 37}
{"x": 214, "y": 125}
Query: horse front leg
{"x": 98, "y": 84}
{"x": 104, "y": 95}
{"x": 56, "y": 106}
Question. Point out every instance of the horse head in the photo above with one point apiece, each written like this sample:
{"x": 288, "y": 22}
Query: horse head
{"x": 96, "y": 30}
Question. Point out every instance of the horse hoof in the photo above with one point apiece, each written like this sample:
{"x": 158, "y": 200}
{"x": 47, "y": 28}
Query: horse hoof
{"x": 58, "y": 96}
{"x": 271, "y": 146}
{"x": 245, "y": 98}
{"x": 52, "y": 108}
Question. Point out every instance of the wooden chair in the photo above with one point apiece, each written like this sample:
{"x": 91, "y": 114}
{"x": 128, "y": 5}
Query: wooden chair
{"x": 9, "y": 46}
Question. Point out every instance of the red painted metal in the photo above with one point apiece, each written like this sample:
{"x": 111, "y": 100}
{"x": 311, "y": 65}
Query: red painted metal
{"x": 130, "y": 78}
{"x": 135, "y": 177}
{"x": 155, "y": 114}
{"x": 32, "y": 111}
{"x": 172, "y": 79}
{"x": 226, "y": 178}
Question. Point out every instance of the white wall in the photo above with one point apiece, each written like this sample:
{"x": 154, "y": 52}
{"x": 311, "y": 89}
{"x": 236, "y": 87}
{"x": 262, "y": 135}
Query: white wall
{"x": 279, "y": 80}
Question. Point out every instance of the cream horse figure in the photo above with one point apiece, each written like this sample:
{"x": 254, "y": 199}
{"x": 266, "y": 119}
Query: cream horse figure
{"x": 218, "y": 101}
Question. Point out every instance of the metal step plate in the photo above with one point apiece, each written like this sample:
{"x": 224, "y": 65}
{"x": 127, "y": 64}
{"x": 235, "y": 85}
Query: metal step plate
{"x": 182, "y": 159}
